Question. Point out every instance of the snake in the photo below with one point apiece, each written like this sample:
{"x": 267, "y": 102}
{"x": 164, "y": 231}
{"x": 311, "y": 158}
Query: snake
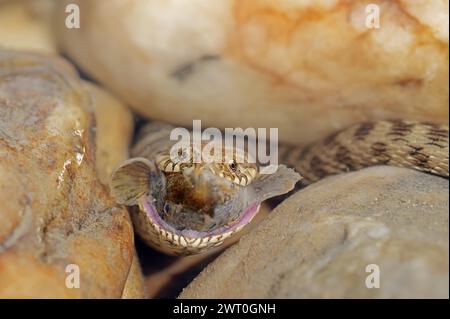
{"x": 181, "y": 207}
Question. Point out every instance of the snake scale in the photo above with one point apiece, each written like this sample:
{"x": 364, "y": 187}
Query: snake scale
{"x": 184, "y": 208}
{"x": 409, "y": 144}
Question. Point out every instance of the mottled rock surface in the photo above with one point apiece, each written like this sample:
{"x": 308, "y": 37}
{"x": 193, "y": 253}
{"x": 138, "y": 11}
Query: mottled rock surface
{"x": 54, "y": 211}
{"x": 318, "y": 243}
{"x": 306, "y": 67}
{"x": 114, "y": 129}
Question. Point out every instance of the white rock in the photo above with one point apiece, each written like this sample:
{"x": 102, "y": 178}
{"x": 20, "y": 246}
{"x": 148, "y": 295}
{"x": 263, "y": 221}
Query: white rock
{"x": 305, "y": 67}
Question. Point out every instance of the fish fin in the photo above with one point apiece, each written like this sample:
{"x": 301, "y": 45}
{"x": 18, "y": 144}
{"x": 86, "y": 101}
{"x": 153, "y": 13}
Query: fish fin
{"x": 278, "y": 183}
{"x": 131, "y": 180}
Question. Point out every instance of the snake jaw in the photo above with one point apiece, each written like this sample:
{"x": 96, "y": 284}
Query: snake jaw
{"x": 162, "y": 236}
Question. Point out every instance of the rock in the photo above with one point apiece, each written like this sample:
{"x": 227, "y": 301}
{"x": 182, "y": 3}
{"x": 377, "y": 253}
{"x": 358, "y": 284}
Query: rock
{"x": 318, "y": 242}
{"x": 54, "y": 211}
{"x": 134, "y": 286}
{"x": 26, "y": 25}
{"x": 114, "y": 130}
{"x": 308, "y": 68}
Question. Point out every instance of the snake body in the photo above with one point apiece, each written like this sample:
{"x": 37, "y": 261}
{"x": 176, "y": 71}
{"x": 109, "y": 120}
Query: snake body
{"x": 186, "y": 208}
{"x": 410, "y": 144}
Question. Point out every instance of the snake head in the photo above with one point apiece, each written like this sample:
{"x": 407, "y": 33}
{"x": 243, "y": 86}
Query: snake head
{"x": 194, "y": 208}
{"x": 233, "y": 164}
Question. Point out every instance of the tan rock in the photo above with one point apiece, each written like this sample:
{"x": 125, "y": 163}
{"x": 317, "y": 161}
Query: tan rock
{"x": 318, "y": 243}
{"x": 134, "y": 287}
{"x": 305, "y": 67}
{"x": 54, "y": 211}
{"x": 26, "y": 25}
{"x": 114, "y": 130}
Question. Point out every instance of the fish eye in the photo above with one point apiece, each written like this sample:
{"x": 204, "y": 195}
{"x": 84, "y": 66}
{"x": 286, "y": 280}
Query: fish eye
{"x": 233, "y": 166}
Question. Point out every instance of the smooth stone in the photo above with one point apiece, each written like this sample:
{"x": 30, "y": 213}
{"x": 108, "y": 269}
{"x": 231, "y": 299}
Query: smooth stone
{"x": 318, "y": 242}
{"x": 114, "y": 130}
{"x": 307, "y": 68}
{"x": 27, "y": 25}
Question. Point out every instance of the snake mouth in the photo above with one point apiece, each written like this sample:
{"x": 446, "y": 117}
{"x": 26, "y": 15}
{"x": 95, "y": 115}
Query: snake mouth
{"x": 245, "y": 217}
